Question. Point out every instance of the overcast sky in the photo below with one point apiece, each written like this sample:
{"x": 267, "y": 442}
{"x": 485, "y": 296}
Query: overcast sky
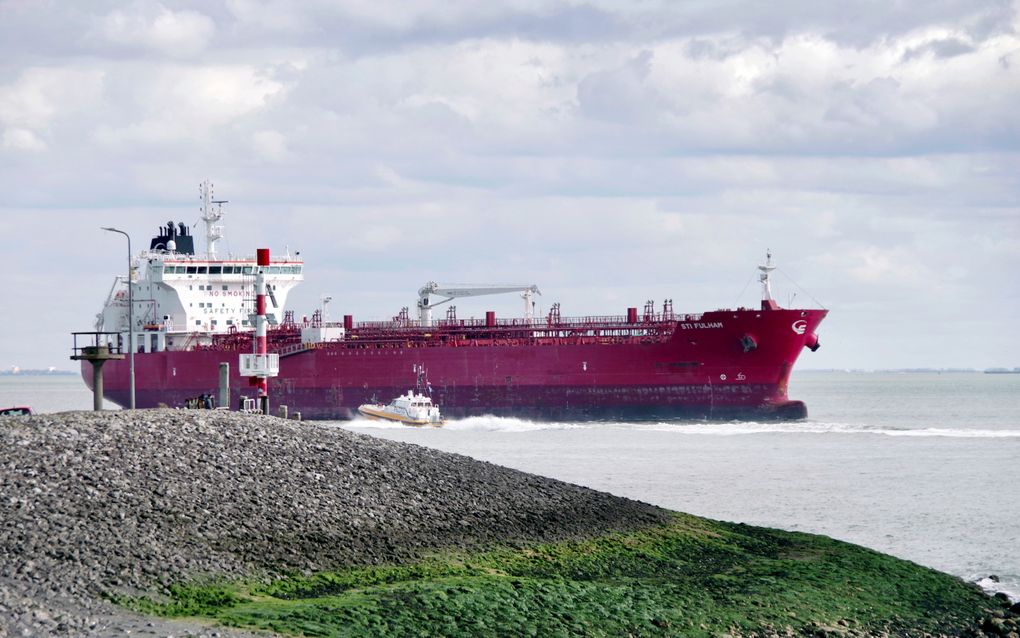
{"x": 610, "y": 152}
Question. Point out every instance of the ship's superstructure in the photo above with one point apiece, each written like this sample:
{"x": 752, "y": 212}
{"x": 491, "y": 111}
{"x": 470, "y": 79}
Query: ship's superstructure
{"x": 193, "y": 312}
{"x": 183, "y": 299}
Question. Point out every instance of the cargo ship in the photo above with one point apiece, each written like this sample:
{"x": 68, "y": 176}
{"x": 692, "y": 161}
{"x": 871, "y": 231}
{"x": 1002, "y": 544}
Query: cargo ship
{"x": 190, "y": 312}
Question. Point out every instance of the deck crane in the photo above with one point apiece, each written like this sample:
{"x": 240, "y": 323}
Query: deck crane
{"x": 453, "y": 291}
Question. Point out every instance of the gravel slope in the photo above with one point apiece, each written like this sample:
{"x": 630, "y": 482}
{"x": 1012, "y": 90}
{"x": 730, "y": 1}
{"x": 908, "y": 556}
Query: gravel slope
{"x": 132, "y": 501}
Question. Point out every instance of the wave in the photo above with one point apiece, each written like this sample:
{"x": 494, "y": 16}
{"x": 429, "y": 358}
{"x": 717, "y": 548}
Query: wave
{"x": 732, "y": 428}
{"x": 993, "y": 585}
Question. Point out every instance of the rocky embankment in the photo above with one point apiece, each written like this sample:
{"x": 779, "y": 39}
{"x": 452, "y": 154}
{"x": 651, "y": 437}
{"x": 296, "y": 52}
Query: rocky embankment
{"x": 93, "y": 504}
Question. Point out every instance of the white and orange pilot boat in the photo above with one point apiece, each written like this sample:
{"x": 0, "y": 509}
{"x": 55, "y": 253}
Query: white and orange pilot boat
{"x": 410, "y": 409}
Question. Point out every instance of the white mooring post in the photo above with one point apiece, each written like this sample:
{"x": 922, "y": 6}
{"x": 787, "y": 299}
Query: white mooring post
{"x": 224, "y": 401}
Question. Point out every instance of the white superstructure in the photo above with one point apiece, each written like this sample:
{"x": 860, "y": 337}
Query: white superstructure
{"x": 182, "y": 299}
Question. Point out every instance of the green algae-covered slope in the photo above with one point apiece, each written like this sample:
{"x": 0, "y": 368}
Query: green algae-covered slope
{"x": 690, "y": 577}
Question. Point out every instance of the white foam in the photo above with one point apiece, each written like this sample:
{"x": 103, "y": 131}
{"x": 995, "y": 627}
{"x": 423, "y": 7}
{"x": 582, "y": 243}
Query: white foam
{"x": 701, "y": 428}
{"x": 995, "y": 586}
{"x": 508, "y": 424}
{"x": 360, "y": 423}
{"x": 475, "y": 424}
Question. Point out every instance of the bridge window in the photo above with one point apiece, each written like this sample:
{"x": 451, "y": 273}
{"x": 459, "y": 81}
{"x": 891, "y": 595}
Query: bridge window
{"x": 215, "y": 270}
{"x": 192, "y": 270}
{"x": 201, "y": 270}
{"x": 246, "y": 270}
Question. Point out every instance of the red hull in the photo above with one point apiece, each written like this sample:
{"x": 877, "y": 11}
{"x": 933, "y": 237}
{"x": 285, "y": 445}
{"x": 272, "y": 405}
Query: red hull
{"x": 694, "y": 368}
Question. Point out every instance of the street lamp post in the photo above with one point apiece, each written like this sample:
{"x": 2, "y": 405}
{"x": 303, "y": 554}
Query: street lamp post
{"x": 131, "y": 323}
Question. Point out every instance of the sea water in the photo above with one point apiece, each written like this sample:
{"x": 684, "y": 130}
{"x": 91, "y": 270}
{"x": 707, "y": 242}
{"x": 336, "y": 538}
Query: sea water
{"x": 923, "y": 466}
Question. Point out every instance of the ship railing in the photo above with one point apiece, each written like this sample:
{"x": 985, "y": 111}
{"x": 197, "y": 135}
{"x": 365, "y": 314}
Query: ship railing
{"x": 543, "y": 323}
{"x": 91, "y": 342}
{"x": 204, "y": 258}
{"x": 294, "y": 348}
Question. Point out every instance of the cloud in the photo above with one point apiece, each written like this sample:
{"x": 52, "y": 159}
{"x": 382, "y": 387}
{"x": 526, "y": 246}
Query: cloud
{"x": 20, "y": 139}
{"x": 150, "y": 26}
{"x": 620, "y": 93}
{"x": 40, "y": 95}
{"x": 271, "y": 146}
{"x": 178, "y": 106}
{"x": 944, "y": 48}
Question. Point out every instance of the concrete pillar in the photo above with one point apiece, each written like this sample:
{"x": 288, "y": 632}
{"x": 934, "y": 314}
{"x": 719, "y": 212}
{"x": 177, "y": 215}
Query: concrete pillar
{"x": 224, "y": 401}
{"x": 97, "y": 385}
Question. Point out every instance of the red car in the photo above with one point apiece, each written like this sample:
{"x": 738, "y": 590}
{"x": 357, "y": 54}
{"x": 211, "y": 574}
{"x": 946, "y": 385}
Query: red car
{"x": 16, "y": 411}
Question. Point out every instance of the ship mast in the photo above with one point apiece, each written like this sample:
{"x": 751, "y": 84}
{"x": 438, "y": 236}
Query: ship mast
{"x": 210, "y": 216}
{"x": 767, "y": 302}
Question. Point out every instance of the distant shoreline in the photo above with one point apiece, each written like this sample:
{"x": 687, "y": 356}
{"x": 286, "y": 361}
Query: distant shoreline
{"x": 38, "y": 373}
{"x": 918, "y": 370}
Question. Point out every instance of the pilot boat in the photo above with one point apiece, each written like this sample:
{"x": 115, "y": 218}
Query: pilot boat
{"x": 410, "y": 409}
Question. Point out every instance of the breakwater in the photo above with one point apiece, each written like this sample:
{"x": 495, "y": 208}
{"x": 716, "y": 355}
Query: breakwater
{"x": 101, "y": 503}
{"x": 130, "y": 505}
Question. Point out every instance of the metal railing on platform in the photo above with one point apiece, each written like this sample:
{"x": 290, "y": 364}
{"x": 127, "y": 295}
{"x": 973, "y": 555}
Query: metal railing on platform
{"x": 540, "y": 323}
{"x": 86, "y": 343}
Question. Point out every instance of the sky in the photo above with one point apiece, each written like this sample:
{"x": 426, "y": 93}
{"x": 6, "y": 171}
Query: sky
{"x": 609, "y": 152}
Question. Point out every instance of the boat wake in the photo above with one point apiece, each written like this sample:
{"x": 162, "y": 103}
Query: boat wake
{"x": 701, "y": 428}
{"x": 809, "y": 427}
{"x": 510, "y": 424}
